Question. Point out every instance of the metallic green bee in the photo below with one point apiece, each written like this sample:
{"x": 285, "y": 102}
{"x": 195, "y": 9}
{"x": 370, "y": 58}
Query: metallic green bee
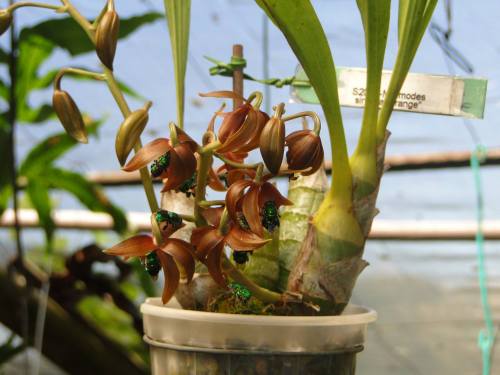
{"x": 240, "y": 291}
{"x": 188, "y": 186}
{"x": 168, "y": 218}
{"x": 152, "y": 264}
{"x": 270, "y": 216}
{"x": 240, "y": 257}
{"x": 160, "y": 165}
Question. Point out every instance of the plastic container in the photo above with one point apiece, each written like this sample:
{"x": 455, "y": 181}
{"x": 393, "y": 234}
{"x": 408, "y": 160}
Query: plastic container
{"x": 185, "y": 342}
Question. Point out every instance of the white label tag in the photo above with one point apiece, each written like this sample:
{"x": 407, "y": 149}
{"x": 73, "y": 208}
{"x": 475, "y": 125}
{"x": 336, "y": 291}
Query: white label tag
{"x": 420, "y": 92}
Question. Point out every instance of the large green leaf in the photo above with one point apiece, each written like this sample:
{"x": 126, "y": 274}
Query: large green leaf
{"x": 178, "y": 17}
{"x": 88, "y": 193}
{"x": 300, "y": 25}
{"x": 33, "y": 51}
{"x": 38, "y": 193}
{"x": 49, "y": 150}
{"x": 67, "y": 34}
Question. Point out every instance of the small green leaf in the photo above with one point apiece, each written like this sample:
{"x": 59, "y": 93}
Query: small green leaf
{"x": 38, "y": 194}
{"x": 178, "y": 17}
{"x": 88, "y": 193}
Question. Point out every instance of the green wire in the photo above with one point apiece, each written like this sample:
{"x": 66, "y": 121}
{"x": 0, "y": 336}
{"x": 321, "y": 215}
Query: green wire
{"x": 486, "y": 335}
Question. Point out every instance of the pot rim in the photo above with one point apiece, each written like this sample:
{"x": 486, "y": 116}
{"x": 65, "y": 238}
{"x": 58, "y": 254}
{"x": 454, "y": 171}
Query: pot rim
{"x": 358, "y": 315}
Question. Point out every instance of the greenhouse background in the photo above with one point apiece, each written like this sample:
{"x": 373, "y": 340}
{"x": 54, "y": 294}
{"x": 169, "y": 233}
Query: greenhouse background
{"x": 425, "y": 291}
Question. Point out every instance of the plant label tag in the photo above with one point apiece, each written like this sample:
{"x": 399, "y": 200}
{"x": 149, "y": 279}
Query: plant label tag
{"x": 422, "y": 93}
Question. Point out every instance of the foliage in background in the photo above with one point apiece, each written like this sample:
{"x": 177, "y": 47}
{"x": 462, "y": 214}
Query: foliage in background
{"x": 38, "y": 171}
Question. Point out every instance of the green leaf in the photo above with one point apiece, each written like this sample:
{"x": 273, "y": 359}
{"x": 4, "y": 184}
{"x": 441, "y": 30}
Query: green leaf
{"x": 4, "y": 91}
{"x": 34, "y": 115}
{"x": 4, "y": 57}
{"x": 49, "y": 150}
{"x": 33, "y": 51}
{"x": 300, "y": 25}
{"x": 88, "y": 193}
{"x": 67, "y": 34}
{"x": 38, "y": 193}
{"x": 178, "y": 17}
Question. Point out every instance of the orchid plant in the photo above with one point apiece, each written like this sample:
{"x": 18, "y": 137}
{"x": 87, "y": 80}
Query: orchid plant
{"x": 266, "y": 253}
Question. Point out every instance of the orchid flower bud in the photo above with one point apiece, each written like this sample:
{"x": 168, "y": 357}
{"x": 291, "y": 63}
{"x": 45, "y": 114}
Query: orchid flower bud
{"x": 106, "y": 36}
{"x": 272, "y": 141}
{"x": 68, "y": 113}
{"x": 130, "y": 131}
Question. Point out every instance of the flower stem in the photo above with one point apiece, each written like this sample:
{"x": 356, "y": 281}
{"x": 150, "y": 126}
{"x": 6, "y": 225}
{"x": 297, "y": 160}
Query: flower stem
{"x": 81, "y": 20}
{"x": 236, "y": 164}
{"x": 204, "y": 166}
{"x": 32, "y": 4}
{"x": 206, "y": 204}
{"x": 147, "y": 182}
{"x": 75, "y": 71}
{"x": 311, "y": 114}
{"x": 263, "y": 294}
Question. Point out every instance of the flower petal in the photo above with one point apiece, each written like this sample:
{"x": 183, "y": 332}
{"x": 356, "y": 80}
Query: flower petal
{"x": 242, "y": 135}
{"x": 253, "y": 142}
{"x": 234, "y": 193}
{"x": 147, "y": 154}
{"x": 251, "y": 209}
{"x": 212, "y": 215}
{"x": 206, "y": 241}
{"x": 182, "y": 166}
{"x": 172, "y": 276}
{"x": 183, "y": 254}
{"x": 233, "y": 121}
{"x": 224, "y": 94}
{"x": 136, "y": 246}
{"x": 214, "y": 181}
{"x": 269, "y": 192}
{"x": 184, "y": 138}
{"x": 213, "y": 263}
{"x": 242, "y": 240}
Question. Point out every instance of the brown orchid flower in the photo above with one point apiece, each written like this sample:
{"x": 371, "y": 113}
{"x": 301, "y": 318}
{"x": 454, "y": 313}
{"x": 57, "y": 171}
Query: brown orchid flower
{"x": 240, "y": 130}
{"x": 169, "y": 256}
{"x": 253, "y": 203}
{"x": 181, "y": 160}
{"x": 305, "y": 151}
{"x": 209, "y": 242}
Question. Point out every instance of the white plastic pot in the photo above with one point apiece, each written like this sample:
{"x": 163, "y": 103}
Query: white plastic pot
{"x": 185, "y": 342}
